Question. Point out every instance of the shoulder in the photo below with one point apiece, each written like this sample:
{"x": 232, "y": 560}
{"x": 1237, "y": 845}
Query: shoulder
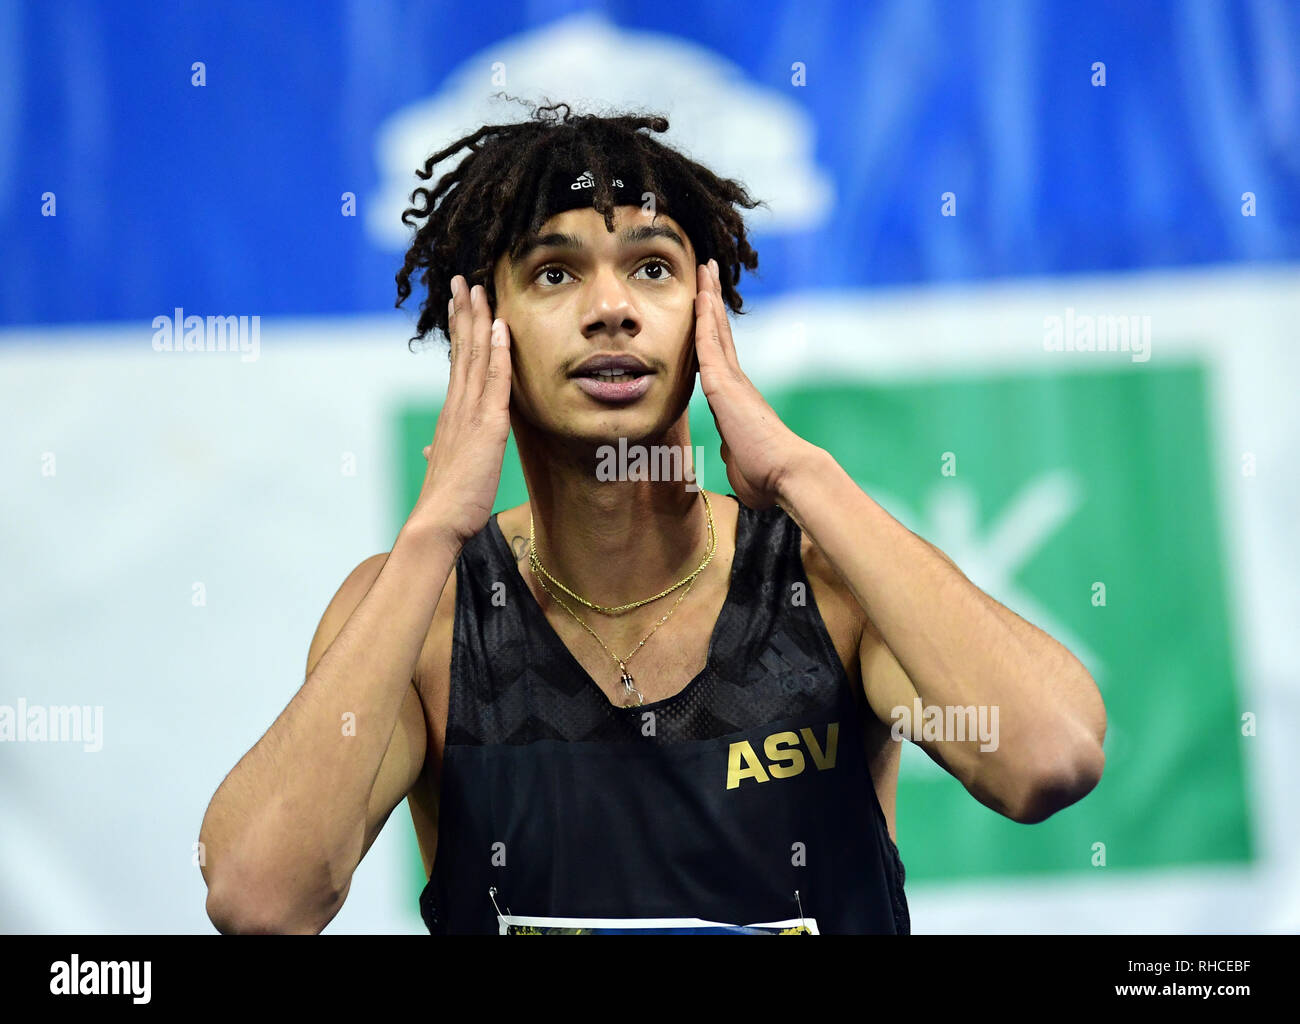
{"x": 834, "y": 598}
{"x": 513, "y": 523}
{"x": 833, "y": 601}
{"x": 432, "y": 668}
{"x": 366, "y": 572}
{"x": 350, "y": 593}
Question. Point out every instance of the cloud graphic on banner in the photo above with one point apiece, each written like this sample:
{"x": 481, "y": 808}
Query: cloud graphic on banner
{"x": 738, "y": 128}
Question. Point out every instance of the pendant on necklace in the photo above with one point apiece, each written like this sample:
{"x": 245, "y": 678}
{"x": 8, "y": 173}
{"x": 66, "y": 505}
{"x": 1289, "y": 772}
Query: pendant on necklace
{"x": 630, "y": 689}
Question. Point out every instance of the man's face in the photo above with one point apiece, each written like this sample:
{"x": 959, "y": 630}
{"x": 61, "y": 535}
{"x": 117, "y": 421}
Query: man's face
{"x": 584, "y": 292}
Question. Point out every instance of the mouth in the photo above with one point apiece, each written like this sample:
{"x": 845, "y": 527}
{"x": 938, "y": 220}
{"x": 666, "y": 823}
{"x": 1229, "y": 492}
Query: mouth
{"x": 617, "y": 386}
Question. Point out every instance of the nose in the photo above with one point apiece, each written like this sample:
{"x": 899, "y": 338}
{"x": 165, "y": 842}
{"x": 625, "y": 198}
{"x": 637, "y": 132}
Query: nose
{"x": 611, "y": 311}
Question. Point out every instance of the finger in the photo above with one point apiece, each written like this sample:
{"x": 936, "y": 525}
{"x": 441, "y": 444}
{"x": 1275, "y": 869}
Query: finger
{"x": 459, "y": 317}
{"x": 451, "y": 337}
{"x": 709, "y": 343}
{"x": 480, "y": 331}
{"x": 427, "y": 449}
{"x": 496, "y": 385}
{"x": 724, "y": 323}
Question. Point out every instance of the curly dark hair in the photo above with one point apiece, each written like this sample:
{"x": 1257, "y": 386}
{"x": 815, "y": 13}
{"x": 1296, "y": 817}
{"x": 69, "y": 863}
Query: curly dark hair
{"x": 493, "y": 199}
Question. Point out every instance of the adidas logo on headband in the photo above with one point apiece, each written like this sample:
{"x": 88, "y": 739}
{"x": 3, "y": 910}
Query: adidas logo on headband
{"x": 585, "y": 180}
{"x": 565, "y": 193}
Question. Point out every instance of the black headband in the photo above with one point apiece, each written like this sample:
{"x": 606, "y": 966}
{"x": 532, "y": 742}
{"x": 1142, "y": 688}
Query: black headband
{"x": 574, "y": 190}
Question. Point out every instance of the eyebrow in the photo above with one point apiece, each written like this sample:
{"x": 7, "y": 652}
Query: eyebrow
{"x": 560, "y": 240}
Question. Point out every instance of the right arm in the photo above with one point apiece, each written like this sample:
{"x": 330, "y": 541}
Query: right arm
{"x": 288, "y": 826}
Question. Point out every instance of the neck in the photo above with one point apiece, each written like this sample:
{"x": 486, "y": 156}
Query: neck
{"x": 611, "y": 541}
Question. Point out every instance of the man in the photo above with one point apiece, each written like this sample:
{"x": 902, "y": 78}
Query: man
{"x": 629, "y": 703}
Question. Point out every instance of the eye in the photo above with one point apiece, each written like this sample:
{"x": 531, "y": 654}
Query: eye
{"x": 665, "y": 271}
{"x": 551, "y": 268}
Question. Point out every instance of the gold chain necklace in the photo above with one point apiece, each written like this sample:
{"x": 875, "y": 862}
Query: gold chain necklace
{"x": 535, "y": 563}
{"x": 625, "y": 677}
{"x": 629, "y": 686}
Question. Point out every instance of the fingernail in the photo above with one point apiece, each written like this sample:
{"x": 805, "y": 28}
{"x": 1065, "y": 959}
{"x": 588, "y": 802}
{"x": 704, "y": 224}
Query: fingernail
{"x": 498, "y": 333}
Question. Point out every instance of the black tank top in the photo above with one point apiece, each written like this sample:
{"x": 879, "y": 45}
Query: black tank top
{"x": 717, "y": 803}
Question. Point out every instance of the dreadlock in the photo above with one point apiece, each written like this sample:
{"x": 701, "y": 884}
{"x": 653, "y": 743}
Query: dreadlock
{"x": 494, "y": 198}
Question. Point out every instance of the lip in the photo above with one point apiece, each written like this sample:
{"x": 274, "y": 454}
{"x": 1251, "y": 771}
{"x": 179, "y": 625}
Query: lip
{"x": 610, "y": 361}
{"x": 616, "y": 392}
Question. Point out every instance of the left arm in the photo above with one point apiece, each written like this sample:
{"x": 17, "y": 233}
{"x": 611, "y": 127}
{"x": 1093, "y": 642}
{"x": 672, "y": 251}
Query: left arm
{"x": 956, "y": 645}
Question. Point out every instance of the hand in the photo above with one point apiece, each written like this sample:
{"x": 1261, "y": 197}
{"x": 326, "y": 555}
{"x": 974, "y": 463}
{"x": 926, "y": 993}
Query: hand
{"x": 469, "y": 441}
{"x": 757, "y": 448}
